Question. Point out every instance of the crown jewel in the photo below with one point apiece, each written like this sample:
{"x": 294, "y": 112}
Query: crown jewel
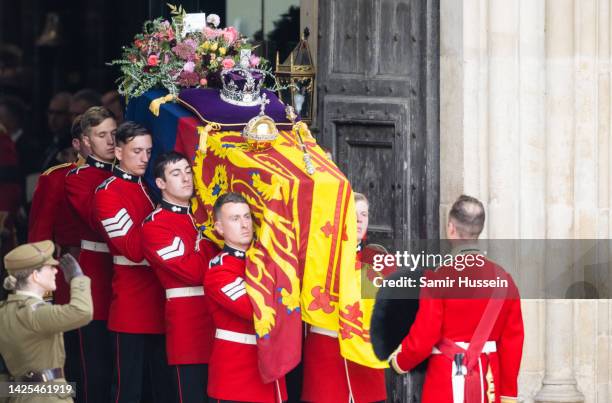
{"x": 260, "y": 132}
{"x": 242, "y": 85}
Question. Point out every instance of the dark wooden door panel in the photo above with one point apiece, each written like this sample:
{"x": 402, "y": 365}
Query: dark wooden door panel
{"x": 394, "y": 33}
{"x": 364, "y": 149}
{"x": 350, "y": 47}
{"x": 378, "y": 111}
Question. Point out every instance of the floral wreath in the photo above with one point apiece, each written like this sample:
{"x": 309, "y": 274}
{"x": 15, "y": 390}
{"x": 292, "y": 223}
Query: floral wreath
{"x": 169, "y": 56}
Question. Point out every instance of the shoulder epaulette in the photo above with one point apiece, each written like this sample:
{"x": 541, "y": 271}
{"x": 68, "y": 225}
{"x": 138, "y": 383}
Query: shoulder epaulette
{"x": 56, "y": 167}
{"x": 77, "y": 169}
{"x": 151, "y": 216}
{"x": 217, "y": 260}
{"x": 107, "y": 181}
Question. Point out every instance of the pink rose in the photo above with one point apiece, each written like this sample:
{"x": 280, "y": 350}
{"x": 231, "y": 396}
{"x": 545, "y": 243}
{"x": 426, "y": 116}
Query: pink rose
{"x": 189, "y": 66}
{"x": 211, "y": 33}
{"x": 230, "y": 34}
{"x": 254, "y": 60}
{"x": 203, "y": 82}
{"x": 191, "y": 43}
{"x": 228, "y": 63}
{"x": 152, "y": 60}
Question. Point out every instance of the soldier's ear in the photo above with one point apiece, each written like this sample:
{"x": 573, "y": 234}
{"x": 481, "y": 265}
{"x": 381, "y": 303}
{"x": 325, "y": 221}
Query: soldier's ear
{"x": 118, "y": 152}
{"x": 219, "y": 227}
{"x": 451, "y": 230}
{"x": 34, "y": 276}
{"x": 161, "y": 184}
{"x": 84, "y": 139}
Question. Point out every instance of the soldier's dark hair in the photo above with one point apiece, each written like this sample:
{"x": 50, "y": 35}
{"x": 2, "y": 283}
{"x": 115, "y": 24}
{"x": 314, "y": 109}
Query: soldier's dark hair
{"x": 127, "y": 131}
{"x": 468, "y": 215}
{"x": 93, "y": 117}
{"x": 75, "y": 131}
{"x": 162, "y": 161}
{"x": 230, "y": 197}
{"x": 92, "y": 97}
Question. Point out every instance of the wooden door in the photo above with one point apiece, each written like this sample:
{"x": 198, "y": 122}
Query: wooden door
{"x": 378, "y": 112}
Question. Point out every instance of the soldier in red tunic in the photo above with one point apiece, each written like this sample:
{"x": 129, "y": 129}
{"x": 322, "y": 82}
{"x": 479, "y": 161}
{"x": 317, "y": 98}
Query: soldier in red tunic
{"x": 98, "y": 128}
{"x": 328, "y": 377}
{"x": 50, "y": 215}
{"x": 233, "y": 369}
{"x": 136, "y": 315}
{"x": 474, "y": 345}
{"x": 180, "y": 256}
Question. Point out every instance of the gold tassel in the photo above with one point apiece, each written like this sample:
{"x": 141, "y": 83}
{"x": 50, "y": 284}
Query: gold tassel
{"x": 302, "y": 129}
{"x": 203, "y": 132}
{"x": 156, "y": 104}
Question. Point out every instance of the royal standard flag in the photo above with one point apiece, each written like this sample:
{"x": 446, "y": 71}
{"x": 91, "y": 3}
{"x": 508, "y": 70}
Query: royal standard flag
{"x": 305, "y": 228}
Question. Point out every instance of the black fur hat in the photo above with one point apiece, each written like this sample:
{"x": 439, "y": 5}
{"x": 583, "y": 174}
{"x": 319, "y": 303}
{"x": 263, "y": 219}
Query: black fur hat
{"x": 394, "y": 312}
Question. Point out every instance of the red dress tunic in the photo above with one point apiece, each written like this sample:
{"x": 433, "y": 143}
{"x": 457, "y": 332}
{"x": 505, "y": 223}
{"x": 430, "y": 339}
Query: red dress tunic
{"x": 52, "y": 218}
{"x": 180, "y": 258}
{"x": 330, "y": 378}
{"x": 456, "y": 320}
{"x": 94, "y": 258}
{"x": 137, "y": 304}
{"x": 233, "y": 369}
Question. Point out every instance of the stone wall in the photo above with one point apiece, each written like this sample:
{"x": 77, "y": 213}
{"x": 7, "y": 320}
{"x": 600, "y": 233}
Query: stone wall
{"x": 525, "y": 126}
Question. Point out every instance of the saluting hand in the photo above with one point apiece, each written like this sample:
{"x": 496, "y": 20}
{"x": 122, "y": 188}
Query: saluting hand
{"x": 70, "y": 267}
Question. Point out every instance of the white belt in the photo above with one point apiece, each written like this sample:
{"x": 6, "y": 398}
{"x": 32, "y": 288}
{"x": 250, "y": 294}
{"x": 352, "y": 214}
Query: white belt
{"x": 323, "y": 331}
{"x": 124, "y": 261}
{"x": 182, "y": 292}
{"x": 236, "y": 337}
{"x": 94, "y": 246}
{"x": 458, "y": 381}
{"x": 489, "y": 347}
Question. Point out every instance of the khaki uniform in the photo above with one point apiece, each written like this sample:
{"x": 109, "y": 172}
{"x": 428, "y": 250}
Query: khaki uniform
{"x": 31, "y": 337}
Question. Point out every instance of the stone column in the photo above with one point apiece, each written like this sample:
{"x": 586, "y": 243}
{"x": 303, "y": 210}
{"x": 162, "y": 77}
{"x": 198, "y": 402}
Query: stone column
{"x": 503, "y": 124}
{"x": 451, "y": 105}
{"x": 559, "y": 383}
{"x": 532, "y": 189}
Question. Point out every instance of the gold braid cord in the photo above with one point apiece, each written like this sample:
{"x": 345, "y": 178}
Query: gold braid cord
{"x": 156, "y": 104}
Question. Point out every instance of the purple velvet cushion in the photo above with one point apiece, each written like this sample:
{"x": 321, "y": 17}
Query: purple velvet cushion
{"x": 208, "y": 103}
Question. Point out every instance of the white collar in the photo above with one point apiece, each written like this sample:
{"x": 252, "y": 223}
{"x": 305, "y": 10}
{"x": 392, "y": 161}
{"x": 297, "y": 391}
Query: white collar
{"x": 28, "y": 294}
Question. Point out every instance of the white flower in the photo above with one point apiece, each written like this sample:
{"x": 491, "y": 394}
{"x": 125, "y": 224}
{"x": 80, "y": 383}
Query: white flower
{"x": 213, "y": 19}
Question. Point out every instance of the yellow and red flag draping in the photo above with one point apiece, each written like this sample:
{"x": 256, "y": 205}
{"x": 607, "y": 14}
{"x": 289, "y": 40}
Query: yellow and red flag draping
{"x": 305, "y": 227}
{"x": 279, "y": 193}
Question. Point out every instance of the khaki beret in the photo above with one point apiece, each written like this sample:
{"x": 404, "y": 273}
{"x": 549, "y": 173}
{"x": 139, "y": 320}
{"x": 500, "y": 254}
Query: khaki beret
{"x": 30, "y": 256}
